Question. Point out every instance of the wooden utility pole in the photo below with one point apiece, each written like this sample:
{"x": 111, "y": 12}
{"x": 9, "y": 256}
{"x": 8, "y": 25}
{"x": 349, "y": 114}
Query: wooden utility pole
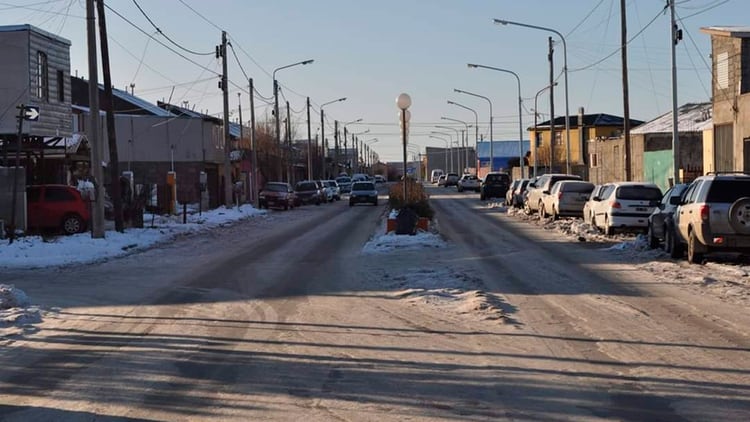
{"x": 625, "y": 92}
{"x": 551, "y": 106}
{"x": 114, "y": 162}
{"x": 227, "y": 139}
{"x": 253, "y": 146}
{"x": 97, "y": 214}
{"x": 309, "y": 144}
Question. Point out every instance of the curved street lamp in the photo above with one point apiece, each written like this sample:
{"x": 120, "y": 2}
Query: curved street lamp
{"x": 323, "y": 130}
{"x": 449, "y": 149}
{"x": 520, "y": 116}
{"x": 276, "y": 99}
{"x": 565, "y": 74}
{"x": 458, "y": 156}
{"x": 492, "y": 152}
{"x": 476, "y": 132}
{"x": 463, "y": 144}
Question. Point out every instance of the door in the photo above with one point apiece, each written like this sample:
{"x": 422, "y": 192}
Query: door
{"x": 746, "y": 155}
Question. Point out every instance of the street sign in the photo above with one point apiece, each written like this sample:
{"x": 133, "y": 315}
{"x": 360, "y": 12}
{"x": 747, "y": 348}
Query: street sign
{"x": 31, "y": 113}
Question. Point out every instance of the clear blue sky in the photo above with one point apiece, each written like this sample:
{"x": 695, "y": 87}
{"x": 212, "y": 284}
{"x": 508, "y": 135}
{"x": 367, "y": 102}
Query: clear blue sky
{"x": 370, "y": 51}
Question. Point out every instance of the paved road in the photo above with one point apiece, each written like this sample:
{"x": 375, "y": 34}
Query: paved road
{"x": 284, "y": 318}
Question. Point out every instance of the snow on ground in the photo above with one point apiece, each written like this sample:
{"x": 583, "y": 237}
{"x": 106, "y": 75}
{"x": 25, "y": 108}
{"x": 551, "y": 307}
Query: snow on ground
{"x": 724, "y": 276}
{"x": 444, "y": 287}
{"x": 38, "y": 251}
{"x": 16, "y": 310}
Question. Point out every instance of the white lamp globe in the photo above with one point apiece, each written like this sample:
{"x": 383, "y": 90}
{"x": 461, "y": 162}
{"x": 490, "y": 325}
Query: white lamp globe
{"x": 403, "y": 101}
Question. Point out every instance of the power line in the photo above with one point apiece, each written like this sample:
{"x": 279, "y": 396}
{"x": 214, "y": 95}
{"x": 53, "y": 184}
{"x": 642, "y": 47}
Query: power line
{"x": 160, "y": 43}
{"x": 588, "y": 15}
{"x": 165, "y": 35}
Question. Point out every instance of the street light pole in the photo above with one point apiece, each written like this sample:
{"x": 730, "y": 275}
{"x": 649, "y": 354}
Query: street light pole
{"x": 476, "y": 133}
{"x": 323, "y": 130}
{"x": 520, "y": 116}
{"x": 492, "y": 153}
{"x": 450, "y": 147}
{"x": 346, "y": 139}
{"x": 276, "y": 103}
{"x": 403, "y": 102}
{"x": 464, "y": 143}
{"x": 565, "y": 74}
{"x": 536, "y": 97}
{"x": 458, "y": 157}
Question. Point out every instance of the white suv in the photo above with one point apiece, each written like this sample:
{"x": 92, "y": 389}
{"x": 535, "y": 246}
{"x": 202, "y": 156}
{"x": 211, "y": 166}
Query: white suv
{"x": 713, "y": 216}
{"x": 625, "y": 205}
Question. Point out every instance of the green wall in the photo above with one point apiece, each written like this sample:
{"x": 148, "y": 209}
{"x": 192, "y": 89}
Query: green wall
{"x": 657, "y": 168}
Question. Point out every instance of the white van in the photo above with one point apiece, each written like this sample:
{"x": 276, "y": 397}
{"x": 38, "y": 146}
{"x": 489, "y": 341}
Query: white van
{"x": 435, "y": 175}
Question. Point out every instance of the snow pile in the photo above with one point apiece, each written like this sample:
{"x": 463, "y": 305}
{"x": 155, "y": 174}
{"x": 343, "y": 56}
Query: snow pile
{"x": 385, "y": 243}
{"x": 500, "y": 206}
{"x": 15, "y": 309}
{"x": 639, "y": 244}
{"x": 446, "y": 289}
{"x": 36, "y": 251}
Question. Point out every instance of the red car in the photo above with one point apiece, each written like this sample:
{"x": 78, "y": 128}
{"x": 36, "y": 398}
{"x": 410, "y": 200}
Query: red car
{"x": 57, "y": 207}
{"x": 277, "y": 194}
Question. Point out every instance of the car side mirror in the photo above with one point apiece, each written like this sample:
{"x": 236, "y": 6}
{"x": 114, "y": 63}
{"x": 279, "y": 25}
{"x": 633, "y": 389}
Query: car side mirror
{"x": 596, "y": 198}
{"x": 546, "y": 192}
{"x": 675, "y": 200}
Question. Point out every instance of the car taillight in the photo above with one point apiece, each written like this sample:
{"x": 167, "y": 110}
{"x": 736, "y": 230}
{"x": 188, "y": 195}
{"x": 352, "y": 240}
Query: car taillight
{"x": 615, "y": 204}
{"x": 704, "y": 212}
{"x": 559, "y": 195}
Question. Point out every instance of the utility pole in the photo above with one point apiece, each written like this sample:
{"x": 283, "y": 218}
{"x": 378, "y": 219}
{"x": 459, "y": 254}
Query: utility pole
{"x": 114, "y": 161}
{"x": 16, "y": 169}
{"x": 253, "y": 146}
{"x": 222, "y": 52}
{"x": 336, "y": 148}
{"x": 551, "y": 107}
{"x": 323, "y": 142}
{"x": 239, "y": 110}
{"x": 288, "y": 155}
{"x": 97, "y": 215}
{"x": 676, "y": 37}
{"x": 625, "y": 92}
{"x": 309, "y": 144}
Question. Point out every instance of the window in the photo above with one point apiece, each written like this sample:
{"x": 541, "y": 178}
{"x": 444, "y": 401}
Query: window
{"x": 57, "y": 194}
{"x": 42, "y": 76}
{"x": 558, "y": 138}
{"x": 61, "y": 86}
{"x": 594, "y": 159}
{"x": 722, "y": 70}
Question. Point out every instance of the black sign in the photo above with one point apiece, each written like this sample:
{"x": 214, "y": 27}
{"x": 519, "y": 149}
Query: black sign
{"x": 31, "y": 113}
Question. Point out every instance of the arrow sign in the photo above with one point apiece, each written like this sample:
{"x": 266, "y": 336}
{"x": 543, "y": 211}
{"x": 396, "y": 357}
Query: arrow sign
{"x": 31, "y": 113}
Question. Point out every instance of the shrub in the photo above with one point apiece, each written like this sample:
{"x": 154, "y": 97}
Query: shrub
{"x": 417, "y": 199}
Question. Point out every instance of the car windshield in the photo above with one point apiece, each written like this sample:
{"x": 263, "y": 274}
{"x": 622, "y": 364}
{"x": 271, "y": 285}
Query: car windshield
{"x": 276, "y": 187}
{"x": 306, "y": 186}
{"x": 343, "y": 180}
{"x": 493, "y": 178}
{"x": 639, "y": 192}
{"x": 728, "y": 191}
{"x": 363, "y": 186}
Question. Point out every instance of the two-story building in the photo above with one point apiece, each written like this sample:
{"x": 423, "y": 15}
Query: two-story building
{"x": 730, "y": 57}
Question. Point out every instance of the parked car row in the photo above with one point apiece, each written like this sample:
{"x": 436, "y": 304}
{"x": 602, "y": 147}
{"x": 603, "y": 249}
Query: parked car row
{"x": 282, "y": 195}
{"x": 711, "y": 214}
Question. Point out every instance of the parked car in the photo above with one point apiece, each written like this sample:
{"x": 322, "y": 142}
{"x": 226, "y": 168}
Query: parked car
{"x": 625, "y": 206}
{"x": 468, "y": 182}
{"x": 58, "y": 207}
{"x": 494, "y": 185}
{"x": 308, "y": 192}
{"x": 566, "y": 198}
{"x": 335, "y": 189}
{"x": 514, "y": 196}
{"x": 451, "y": 179}
{"x": 441, "y": 180}
{"x": 660, "y": 221}
{"x": 327, "y": 192}
{"x": 435, "y": 175}
{"x": 588, "y": 207}
{"x": 379, "y": 178}
{"x": 713, "y": 216}
{"x": 359, "y": 177}
{"x": 363, "y": 192}
{"x": 542, "y": 187}
{"x": 277, "y": 195}
{"x": 345, "y": 183}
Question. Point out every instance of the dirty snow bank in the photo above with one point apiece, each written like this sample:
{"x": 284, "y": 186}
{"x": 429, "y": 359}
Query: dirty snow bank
{"x": 15, "y": 310}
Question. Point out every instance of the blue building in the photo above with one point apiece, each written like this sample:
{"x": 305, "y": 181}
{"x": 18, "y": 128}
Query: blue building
{"x": 506, "y": 155}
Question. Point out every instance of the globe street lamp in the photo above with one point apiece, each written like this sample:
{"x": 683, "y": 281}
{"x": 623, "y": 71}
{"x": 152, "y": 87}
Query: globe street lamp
{"x": 492, "y": 153}
{"x": 536, "y": 97}
{"x": 403, "y": 102}
{"x": 323, "y": 130}
{"x": 565, "y": 74}
{"x": 476, "y": 131}
{"x": 520, "y": 116}
{"x": 276, "y": 100}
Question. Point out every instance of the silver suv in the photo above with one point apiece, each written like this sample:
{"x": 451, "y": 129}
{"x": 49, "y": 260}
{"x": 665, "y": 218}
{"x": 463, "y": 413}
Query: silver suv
{"x": 713, "y": 216}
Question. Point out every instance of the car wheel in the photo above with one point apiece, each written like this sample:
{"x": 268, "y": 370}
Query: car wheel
{"x": 526, "y": 208}
{"x": 317, "y": 202}
{"x": 693, "y": 256}
{"x": 739, "y": 215}
{"x": 676, "y": 249}
{"x": 542, "y": 211}
{"x": 482, "y": 197}
{"x": 375, "y": 202}
{"x": 460, "y": 189}
{"x": 351, "y": 204}
{"x": 72, "y": 224}
{"x": 555, "y": 215}
{"x": 653, "y": 242}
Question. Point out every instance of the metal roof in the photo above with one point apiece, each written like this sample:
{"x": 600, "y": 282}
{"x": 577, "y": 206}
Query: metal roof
{"x": 691, "y": 117}
{"x": 729, "y": 31}
{"x": 27, "y": 27}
